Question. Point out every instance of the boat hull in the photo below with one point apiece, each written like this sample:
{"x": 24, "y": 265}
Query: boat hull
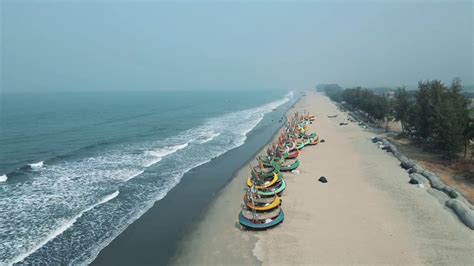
{"x": 276, "y": 191}
{"x": 269, "y": 183}
{"x": 261, "y": 226}
{"x": 275, "y": 204}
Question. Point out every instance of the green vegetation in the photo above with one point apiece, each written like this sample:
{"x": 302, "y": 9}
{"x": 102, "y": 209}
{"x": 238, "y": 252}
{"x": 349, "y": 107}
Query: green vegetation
{"x": 435, "y": 114}
{"x": 333, "y": 91}
{"x": 375, "y": 106}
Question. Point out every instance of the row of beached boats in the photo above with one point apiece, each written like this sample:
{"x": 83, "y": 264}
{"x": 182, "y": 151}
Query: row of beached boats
{"x": 261, "y": 208}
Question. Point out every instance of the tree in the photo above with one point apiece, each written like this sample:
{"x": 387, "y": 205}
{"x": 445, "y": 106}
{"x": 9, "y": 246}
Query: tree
{"x": 425, "y": 113}
{"x": 402, "y": 108}
{"x": 450, "y": 114}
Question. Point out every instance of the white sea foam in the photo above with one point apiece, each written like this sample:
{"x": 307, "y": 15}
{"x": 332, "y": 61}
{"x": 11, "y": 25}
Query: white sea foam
{"x": 206, "y": 138}
{"x": 3, "y": 178}
{"x": 36, "y": 166}
{"x": 137, "y": 173}
{"x": 158, "y": 154}
{"x": 56, "y": 232}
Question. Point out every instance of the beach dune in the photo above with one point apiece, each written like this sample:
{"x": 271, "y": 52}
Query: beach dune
{"x": 367, "y": 212}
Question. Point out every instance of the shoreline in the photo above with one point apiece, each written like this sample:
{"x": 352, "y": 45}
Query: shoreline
{"x": 367, "y": 213}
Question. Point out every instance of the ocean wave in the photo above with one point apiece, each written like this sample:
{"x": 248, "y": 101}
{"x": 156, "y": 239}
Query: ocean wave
{"x": 59, "y": 230}
{"x": 36, "y": 166}
{"x": 3, "y": 178}
{"x": 132, "y": 176}
{"x": 206, "y": 138}
{"x": 158, "y": 154}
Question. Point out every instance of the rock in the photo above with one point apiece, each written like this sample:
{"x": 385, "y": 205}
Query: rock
{"x": 413, "y": 181}
{"x": 323, "y": 179}
{"x": 322, "y": 141}
{"x": 421, "y": 186}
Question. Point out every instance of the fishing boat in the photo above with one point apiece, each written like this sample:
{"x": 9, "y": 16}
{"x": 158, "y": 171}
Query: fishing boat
{"x": 276, "y": 189}
{"x": 262, "y": 205}
{"x": 290, "y": 165}
{"x": 260, "y": 221}
{"x": 264, "y": 171}
{"x": 268, "y": 160}
{"x": 261, "y": 183}
{"x": 260, "y": 212}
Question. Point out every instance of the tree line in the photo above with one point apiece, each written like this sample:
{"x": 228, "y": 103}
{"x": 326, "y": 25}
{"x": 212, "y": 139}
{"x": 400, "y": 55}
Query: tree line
{"x": 436, "y": 113}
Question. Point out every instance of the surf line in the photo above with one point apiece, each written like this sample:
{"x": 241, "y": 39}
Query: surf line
{"x": 58, "y": 231}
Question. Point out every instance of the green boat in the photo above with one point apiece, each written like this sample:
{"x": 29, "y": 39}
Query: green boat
{"x": 266, "y": 172}
{"x": 292, "y": 165}
{"x": 278, "y": 189}
{"x": 261, "y": 221}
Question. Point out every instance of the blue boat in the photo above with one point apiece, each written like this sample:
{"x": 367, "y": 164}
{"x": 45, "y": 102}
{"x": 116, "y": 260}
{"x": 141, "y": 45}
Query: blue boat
{"x": 261, "y": 221}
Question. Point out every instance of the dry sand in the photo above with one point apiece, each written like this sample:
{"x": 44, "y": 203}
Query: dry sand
{"x": 366, "y": 214}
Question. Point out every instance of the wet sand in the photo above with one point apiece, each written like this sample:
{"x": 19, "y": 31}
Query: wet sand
{"x": 367, "y": 212}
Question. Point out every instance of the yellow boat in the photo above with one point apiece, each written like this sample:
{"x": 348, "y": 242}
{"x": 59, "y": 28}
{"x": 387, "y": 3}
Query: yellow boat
{"x": 267, "y": 184}
{"x": 268, "y": 207}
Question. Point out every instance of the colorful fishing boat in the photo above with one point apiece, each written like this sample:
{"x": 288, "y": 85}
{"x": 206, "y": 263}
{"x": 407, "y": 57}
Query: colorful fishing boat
{"x": 277, "y": 189}
{"x": 260, "y": 221}
{"x": 268, "y": 161}
{"x": 262, "y": 205}
{"x": 264, "y": 171}
{"x": 262, "y": 183}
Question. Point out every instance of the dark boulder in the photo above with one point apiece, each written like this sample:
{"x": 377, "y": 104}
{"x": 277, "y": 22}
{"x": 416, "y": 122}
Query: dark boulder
{"x": 323, "y": 179}
{"x": 413, "y": 181}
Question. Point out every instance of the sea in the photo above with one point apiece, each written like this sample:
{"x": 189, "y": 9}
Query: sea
{"x": 77, "y": 168}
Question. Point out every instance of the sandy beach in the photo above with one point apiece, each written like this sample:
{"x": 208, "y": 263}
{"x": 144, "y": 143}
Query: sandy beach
{"x": 366, "y": 214}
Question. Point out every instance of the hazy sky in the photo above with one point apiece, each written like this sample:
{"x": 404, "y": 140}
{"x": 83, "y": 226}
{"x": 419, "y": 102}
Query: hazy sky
{"x": 150, "y": 45}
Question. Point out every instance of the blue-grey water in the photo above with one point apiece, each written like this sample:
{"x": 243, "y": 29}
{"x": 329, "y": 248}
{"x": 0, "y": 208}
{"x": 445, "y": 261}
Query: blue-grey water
{"x": 77, "y": 168}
